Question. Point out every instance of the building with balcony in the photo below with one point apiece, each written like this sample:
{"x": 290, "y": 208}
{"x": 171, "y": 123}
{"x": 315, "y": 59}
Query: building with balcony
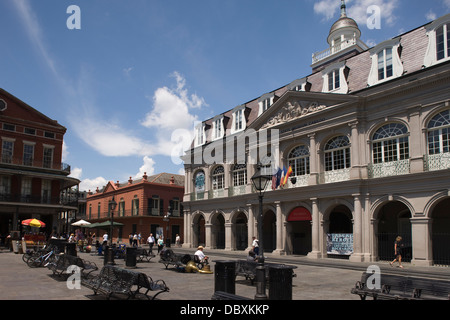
{"x": 152, "y": 204}
{"x": 366, "y": 135}
{"x": 34, "y": 183}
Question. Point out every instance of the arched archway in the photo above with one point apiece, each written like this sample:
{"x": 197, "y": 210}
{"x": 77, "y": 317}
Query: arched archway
{"x": 441, "y": 233}
{"x": 199, "y": 231}
{"x": 218, "y": 231}
{"x": 394, "y": 220}
{"x": 340, "y": 233}
{"x": 299, "y": 231}
{"x": 240, "y": 231}
{"x": 269, "y": 231}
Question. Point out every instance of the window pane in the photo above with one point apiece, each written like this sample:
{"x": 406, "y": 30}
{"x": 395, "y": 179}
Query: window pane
{"x": 389, "y": 70}
{"x": 440, "y": 43}
{"x": 381, "y": 65}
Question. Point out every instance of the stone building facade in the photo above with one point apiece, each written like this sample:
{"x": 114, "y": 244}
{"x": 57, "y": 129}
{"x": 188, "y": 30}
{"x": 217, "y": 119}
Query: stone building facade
{"x": 367, "y": 137}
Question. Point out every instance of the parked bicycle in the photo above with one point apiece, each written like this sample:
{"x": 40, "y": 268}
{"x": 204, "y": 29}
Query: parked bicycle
{"x": 42, "y": 259}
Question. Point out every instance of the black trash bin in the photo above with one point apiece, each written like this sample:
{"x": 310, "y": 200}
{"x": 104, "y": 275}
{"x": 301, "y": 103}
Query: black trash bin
{"x": 71, "y": 249}
{"x": 59, "y": 244}
{"x": 224, "y": 276}
{"x": 280, "y": 282}
{"x": 130, "y": 258}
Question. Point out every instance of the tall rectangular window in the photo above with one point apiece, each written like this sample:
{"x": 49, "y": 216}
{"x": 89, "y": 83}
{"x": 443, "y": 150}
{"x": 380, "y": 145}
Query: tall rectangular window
{"x": 443, "y": 42}
{"x": 385, "y": 66}
{"x": 48, "y": 157}
{"x": 334, "y": 81}
{"x": 238, "y": 120}
{"x": 7, "y": 151}
{"x": 28, "y": 153}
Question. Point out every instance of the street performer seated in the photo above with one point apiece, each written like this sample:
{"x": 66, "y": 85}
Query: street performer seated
{"x": 201, "y": 256}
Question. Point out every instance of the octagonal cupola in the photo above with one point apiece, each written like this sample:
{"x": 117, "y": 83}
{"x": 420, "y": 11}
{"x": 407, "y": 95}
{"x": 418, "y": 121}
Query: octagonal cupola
{"x": 343, "y": 38}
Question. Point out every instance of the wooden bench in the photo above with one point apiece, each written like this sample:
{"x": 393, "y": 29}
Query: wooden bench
{"x": 117, "y": 281}
{"x": 399, "y": 287}
{"x": 221, "y": 295}
{"x": 247, "y": 269}
{"x": 142, "y": 253}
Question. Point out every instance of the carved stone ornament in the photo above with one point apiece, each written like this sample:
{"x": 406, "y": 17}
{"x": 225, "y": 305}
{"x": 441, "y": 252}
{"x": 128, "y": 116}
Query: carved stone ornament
{"x": 293, "y": 110}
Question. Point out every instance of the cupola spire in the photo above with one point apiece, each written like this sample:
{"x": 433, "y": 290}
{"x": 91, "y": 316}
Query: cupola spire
{"x": 343, "y": 9}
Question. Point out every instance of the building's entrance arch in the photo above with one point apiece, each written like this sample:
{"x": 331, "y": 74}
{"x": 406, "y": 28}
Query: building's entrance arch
{"x": 394, "y": 220}
{"x": 240, "y": 231}
{"x": 440, "y": 233}
{"x": 339, "y": 240}
{"x": 199, "y": 231}
{"x": 299, "y": 231}
{"x": 218, "y": 231}
{"x": 269, "y": 231}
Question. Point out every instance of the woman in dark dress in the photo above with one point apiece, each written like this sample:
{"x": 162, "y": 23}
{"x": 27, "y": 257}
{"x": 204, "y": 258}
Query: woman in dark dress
{"x": 398, "y": 245}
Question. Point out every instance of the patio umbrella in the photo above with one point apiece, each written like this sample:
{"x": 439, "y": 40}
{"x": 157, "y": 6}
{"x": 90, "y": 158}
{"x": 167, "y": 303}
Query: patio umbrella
{"x": 33, "y": 223}
{"x": 81, "y": 223}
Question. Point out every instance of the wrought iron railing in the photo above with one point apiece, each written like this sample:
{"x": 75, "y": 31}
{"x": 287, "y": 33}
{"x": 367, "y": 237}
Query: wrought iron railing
{"x": 33, "y": 163}
{"x": 438, "y": 161}
{"x": 388, "y": 169}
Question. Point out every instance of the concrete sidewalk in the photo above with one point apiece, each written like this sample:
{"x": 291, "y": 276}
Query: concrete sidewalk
{"x": 326, "y": 279}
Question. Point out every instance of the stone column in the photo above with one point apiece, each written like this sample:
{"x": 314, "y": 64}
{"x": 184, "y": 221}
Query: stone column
{"x": 315, "y": 230}
{"x": 357, "y": 230}
{"x": 279, "y": 247}
{"x": 228, "y": 237}
{"x": 421, "y": 240}
{"x": 314, "y": 170}
{"x": 250, "y": 226}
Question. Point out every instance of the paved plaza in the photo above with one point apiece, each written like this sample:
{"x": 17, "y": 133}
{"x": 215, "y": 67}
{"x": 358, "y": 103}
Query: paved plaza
{"x": 326, "y": 279}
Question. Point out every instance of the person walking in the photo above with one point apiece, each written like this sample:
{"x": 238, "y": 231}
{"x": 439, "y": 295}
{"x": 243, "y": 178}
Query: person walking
{"x": 255, "y": 246}
{"x": 398, "y": 246}
{"x": 151, "y": 241}
{"x": 160, "y": 244}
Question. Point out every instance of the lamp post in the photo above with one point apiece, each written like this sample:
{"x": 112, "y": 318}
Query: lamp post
{"x": 260, "y": 181}
{"x": 112, "y": 205}
{"x": 166, "y": 218}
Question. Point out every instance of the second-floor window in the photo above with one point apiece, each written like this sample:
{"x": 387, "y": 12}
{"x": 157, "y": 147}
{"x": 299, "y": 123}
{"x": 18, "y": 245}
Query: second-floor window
{"x": 390, "y": 143}
{"x": 48, "y": 157}
{"x": 218, "y": 178}
{"x": 439, "y": 133}
{"x": 28, "y": 154}
{"x": 135, "y": 206}
{"x": 337, "y": 154}
{"x": 298, "y": 160}
{"x": 7, "y": 151}
{"x": 240, "y": 175}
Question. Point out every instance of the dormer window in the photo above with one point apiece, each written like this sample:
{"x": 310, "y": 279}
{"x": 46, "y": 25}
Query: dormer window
{"x": 218, "y": 130}
{"x": 334, "y": 78}
{"x": 239, "y": 121}
{"x": 265, "y": 102}
{"x": 438, "y": 33}
{"x": 386, "y": 62}
{"x": 334, "y": 82}
{"x": 298, "y": 85}
{"x": 200, "y": 135}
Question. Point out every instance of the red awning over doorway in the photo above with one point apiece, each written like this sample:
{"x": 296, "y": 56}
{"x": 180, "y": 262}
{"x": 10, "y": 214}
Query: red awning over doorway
{"x": 299, "y": 214}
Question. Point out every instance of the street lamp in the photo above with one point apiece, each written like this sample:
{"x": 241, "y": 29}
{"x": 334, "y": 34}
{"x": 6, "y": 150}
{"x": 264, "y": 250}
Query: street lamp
{"x": 260, "y": 181}
{"x": 112, "y": 205}
{"x": 166, "y": 218}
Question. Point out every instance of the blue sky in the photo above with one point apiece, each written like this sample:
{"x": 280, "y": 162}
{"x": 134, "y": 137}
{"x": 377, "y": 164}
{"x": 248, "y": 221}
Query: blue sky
{"x": 139, "y": 70}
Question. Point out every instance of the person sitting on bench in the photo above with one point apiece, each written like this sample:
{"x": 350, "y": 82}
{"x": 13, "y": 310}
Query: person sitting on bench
{"x": 201, "y": 256}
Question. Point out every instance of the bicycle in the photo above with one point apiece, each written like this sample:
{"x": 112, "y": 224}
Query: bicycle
{"x": 42, "y": 260}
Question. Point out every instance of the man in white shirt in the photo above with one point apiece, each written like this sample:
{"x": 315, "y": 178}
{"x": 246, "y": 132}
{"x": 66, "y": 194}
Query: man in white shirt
{"x": 105, "y": 238}
{"x": 255, "y": 246}
{"x": 151, "y": 241}
{"x": 201, "y": 256}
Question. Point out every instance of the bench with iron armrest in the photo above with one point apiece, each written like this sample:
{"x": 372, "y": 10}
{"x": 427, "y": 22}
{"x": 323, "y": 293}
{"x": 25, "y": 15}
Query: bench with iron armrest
{"x": 64, "y": 261}
{"x": 247, "y": 269}
{"x": 142, "y": 253}
{"x": 113, "y": 280}
{"x": 168, "y": 257}
{"x": 221, "y": 295}
{"x": 398, "y": 287}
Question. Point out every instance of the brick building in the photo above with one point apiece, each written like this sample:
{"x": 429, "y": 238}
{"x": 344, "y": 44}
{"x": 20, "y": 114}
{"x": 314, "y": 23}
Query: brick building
{"x": 141, "y": 206}
{"x": 34, "y": 183}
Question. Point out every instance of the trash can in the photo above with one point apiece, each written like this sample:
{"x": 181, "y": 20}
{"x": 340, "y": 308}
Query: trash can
{"x": 280, "y": 282}
{"x": 71, "y": 249}
{"x": 59, "y": 244}
{"x": 224, "y": 276}
{"x": 167, "y": 243}
{"x": 130, "y": 258}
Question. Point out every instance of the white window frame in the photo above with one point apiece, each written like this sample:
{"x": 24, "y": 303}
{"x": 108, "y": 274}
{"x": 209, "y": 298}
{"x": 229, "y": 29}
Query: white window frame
{"x": 431, "y": 29}
{"x": 200, "y": 135}
{"x": 239, "y": 122}
{"x": 218, "y": 131}
{"x": 265, "y": 102}
{"x": 397, "y": 65}
{"x": 8, "y": 158}
{"x": 343, "y": 86}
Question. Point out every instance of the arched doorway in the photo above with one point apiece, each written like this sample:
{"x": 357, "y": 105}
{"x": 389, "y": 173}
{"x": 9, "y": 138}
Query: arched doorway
{"x": 340, "y": 233}
{"x": 218, "y": 232}
{"x": 269, "y": 231}
{"x": 199, "y": 231}
{"x": 241, "y": 231}
{"x": 441, "y": 233}
{"x": 299, "y": 230}
{"x": 394, "y": 220}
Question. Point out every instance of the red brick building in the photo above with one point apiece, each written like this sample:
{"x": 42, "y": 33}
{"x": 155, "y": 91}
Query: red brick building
{"x": 141, "y": 207}
{"x": 33, "y": 181}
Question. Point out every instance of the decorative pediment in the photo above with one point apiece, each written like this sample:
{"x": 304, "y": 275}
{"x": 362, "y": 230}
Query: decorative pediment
{"x": 292, "y": 110}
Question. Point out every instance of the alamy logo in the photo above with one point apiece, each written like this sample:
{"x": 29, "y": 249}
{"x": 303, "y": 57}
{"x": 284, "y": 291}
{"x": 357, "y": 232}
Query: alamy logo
{"x": 374, "y": 280}
{"x": 74, "y": 21}
{"x": 374, "y": 20}
{"x": 74, "y": 280}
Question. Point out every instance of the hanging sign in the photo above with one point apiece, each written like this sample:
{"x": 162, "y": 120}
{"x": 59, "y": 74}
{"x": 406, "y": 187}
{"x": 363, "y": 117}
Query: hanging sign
{"x": 340, "y": 243}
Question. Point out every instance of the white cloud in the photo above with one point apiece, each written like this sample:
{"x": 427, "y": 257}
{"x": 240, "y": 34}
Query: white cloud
{"x": 93, "y": 184}
{"x": 447, "y": 3}
{"x": 148, "y": 167}
{"x": 431, "y": 15}
{"x": 172, "y": 107}
{"x": 76, "y": 173}
{"x": 326, "y": 8}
